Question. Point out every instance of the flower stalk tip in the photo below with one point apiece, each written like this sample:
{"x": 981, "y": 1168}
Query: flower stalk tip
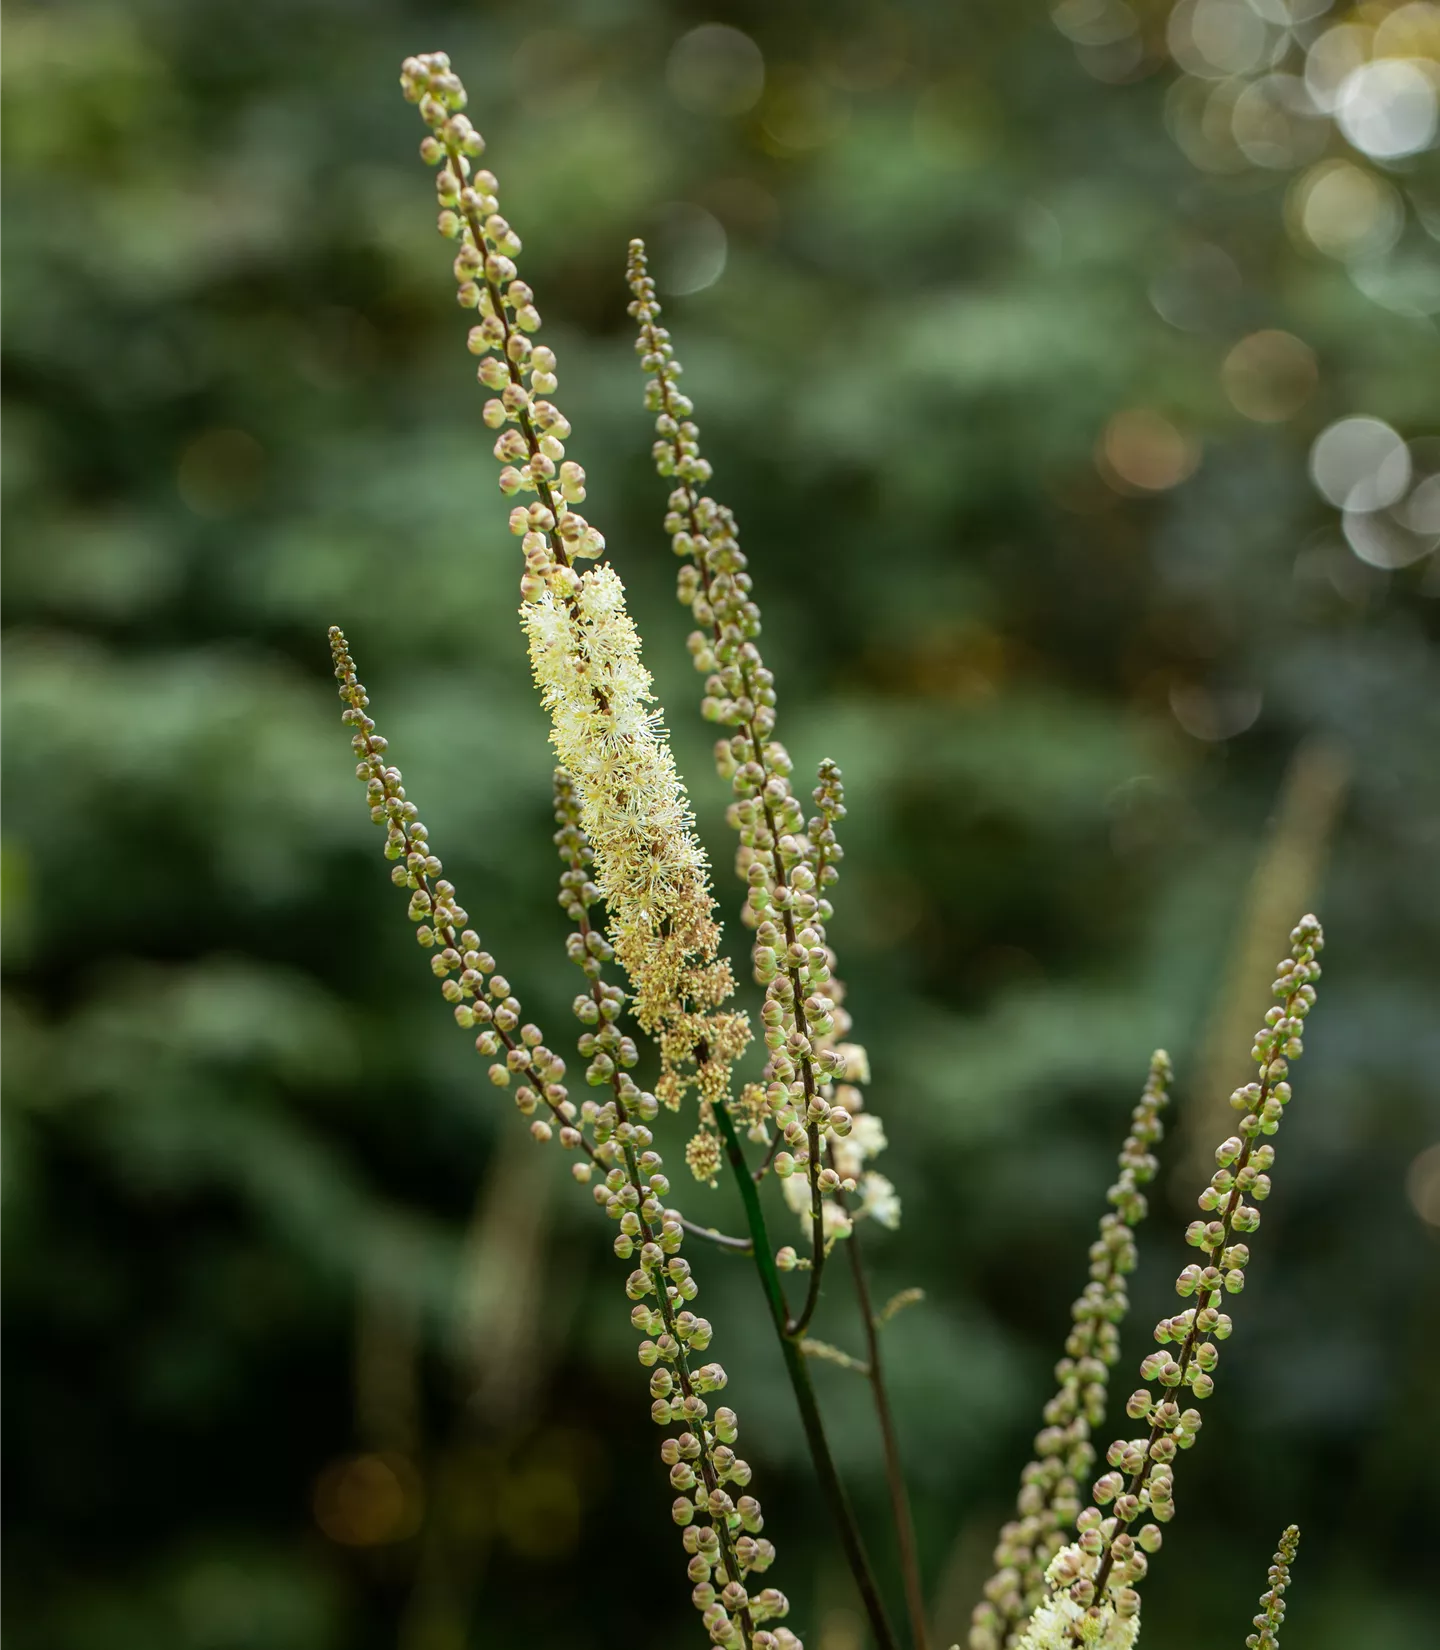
{"x": 1272, "y": 1601}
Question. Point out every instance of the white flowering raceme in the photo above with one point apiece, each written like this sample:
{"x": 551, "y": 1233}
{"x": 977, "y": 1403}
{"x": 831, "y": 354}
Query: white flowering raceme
{"x": 838, "y": 1221}
{"x": 1059, "y": 1623}
{"x": 855, "y": 1062}
{"x": 608, "y": 735}
{"x": 850, "y": 1152}
{"x": 880, "y": 1200}
{"x": 866, "y": 1139}
{"x": 651, "y": 869}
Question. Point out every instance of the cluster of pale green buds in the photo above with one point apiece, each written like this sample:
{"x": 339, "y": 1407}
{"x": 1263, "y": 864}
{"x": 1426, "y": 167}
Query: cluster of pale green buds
{"x": 789, "y": 863}
{"x": 521, "y": 374}
{"x": 469, "y": 980}
{"x": 1272, "y": 1601}
{"x": 1140, "y": 1479}
{"x": 1049, "y": 1497}
{"x": 711, "y": 1480}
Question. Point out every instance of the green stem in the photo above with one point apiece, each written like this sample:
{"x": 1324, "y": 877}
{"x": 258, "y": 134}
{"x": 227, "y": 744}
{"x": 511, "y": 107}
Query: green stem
{"x": 798, "y": 1371}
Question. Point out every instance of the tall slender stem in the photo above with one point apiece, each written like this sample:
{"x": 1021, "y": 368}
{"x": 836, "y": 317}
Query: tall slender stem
{"x": 894, "y": 1473}
{"x": 798, "y": 1370}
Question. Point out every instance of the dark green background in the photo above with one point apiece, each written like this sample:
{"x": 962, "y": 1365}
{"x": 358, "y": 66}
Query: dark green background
{"x": 243, "y": 1138}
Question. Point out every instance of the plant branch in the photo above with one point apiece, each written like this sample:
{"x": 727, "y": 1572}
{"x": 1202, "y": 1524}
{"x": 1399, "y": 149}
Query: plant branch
{"x": 742, "y": 1246}
{"x": 834, "y": 1355}
{"x": 798, "y": 1371}
{"x": 894, "y": 1472}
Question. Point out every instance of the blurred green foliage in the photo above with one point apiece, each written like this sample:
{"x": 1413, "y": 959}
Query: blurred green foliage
{"x": 278, "y": 1374}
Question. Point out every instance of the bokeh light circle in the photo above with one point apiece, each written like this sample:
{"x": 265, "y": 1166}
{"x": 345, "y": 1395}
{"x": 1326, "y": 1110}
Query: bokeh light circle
{"x": 1275, "y": 123}
{"x": 715, "y": 70}
{"x": 1422, "y": 1185}
{"x": 1143, "y": 450}
{"x": 688, "y": 248}
{"x": 1197, "y": 291}
{"x": 1360, "y": 464}
{"x": 1215, "y": 714}
{"x": 1213, "y": 39}
{"x": 1269, "y": 376}
{"x": 1410, "y": 31}
{"x": 1382, "y": 541}
{"x": 1094, "y": 22}
{"x": 1285, "y": 14}
{"x": 1345, "y": 211}
{"x": 1406, "y": 283}
{"x": 1331, "y": 59}
{"x": 1388, "y": 108}
{"x": 1421, "y": 511}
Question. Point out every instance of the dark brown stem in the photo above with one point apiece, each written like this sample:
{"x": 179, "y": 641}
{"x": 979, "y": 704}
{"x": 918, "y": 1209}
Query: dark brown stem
{"x": 894, "y": 1473}
{"x": 797, "y": 1326}
{"x": 758, "y": 1174}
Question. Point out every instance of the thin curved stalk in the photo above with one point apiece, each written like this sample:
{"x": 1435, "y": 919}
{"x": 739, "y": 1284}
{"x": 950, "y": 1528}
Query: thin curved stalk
{"x": 737, "y": 1245}
{"x": 894, "y": 1473}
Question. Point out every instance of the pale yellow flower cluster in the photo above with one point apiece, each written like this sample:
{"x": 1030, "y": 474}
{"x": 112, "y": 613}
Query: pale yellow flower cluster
{"x": 649, "y": 865}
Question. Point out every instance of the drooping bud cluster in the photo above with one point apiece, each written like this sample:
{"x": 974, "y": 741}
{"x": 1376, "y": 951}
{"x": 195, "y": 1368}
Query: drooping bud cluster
{"x": 648, "y": 864}
{"x": 480, "y": 996}
{"x": 1272, "y": 1601}
{"x": 1140, "y": 1482}
{"x": 788, "y": 862}
{"x": 532, "y": 432}
{"x": 727, "y": 1549}
{"x": 1049, "y": 1496}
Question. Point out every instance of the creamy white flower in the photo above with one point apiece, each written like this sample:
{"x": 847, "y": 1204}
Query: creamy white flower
{"x": 868, "y": 1133}
{"x": 797, "y": 1194}
{"x": 866, "y": 1139}
{"x": 608, "y": 734}
{"x": 880, "y": 1200}
{"x": 1059, "y": 1623}
{"x": 857, "y": 1062}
